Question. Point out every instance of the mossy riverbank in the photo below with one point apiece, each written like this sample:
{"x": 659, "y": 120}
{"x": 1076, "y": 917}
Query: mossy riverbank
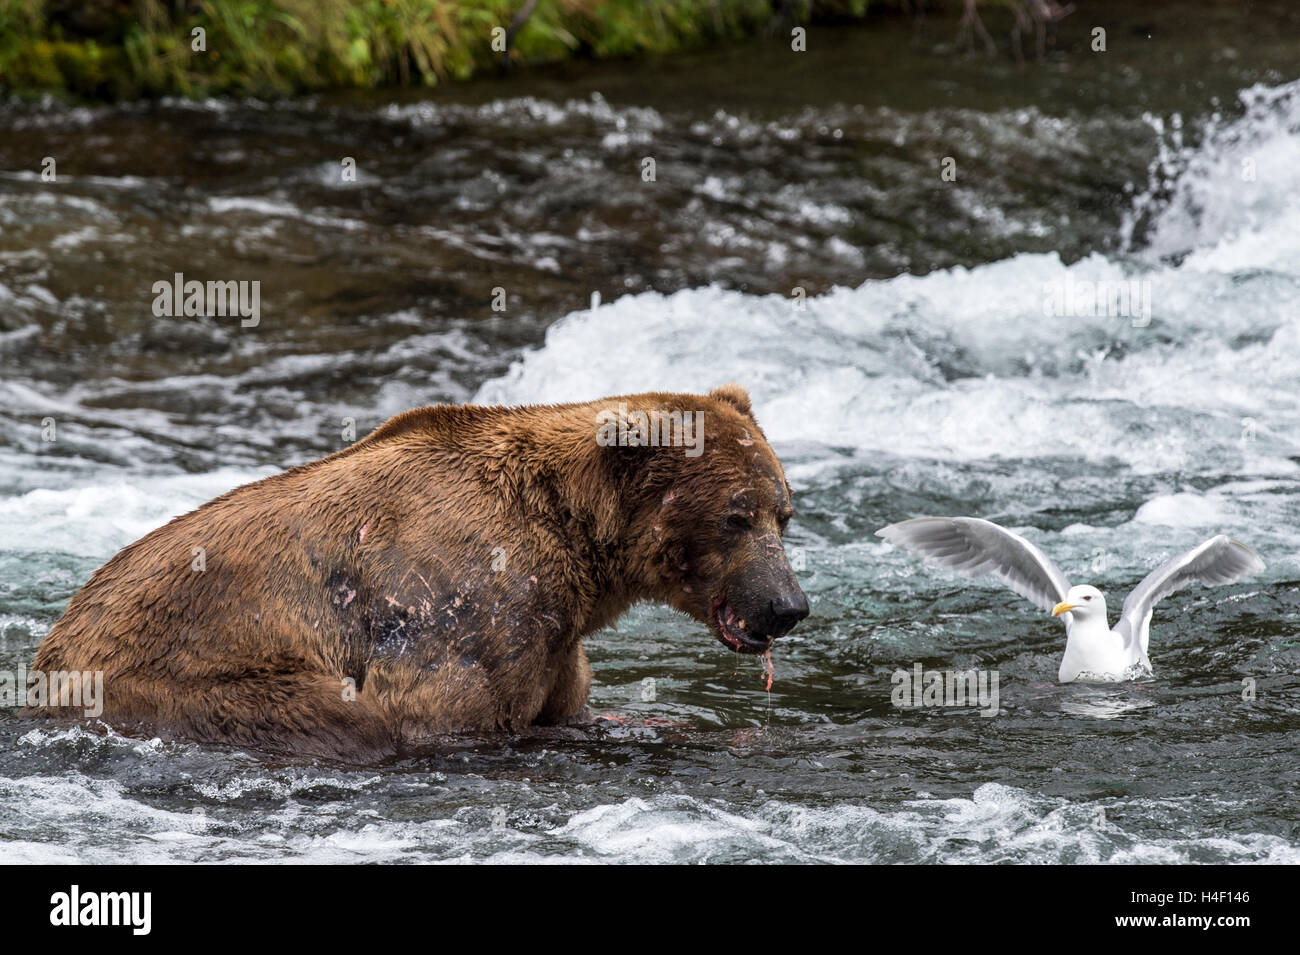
{"x": 125, "y": 49}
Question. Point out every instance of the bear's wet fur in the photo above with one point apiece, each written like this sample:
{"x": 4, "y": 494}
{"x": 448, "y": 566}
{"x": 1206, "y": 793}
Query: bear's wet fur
{"x": 436, "y": 577}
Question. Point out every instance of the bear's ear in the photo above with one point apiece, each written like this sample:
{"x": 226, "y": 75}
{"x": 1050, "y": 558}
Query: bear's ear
{"x": 734, "y": 395}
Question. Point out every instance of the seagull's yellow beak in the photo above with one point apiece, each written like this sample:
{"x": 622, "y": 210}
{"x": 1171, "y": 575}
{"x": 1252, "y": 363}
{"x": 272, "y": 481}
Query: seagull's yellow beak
{"x": 1062, "y": 607}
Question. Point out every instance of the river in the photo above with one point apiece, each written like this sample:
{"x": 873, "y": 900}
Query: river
{"x": 921, "y": 375}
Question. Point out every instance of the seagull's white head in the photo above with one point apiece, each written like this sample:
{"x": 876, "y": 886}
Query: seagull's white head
{"x": 1084, "y": 602}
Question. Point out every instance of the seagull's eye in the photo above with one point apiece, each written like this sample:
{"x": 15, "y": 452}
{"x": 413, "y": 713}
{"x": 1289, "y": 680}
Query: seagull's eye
{"x": 1087, "y": 597}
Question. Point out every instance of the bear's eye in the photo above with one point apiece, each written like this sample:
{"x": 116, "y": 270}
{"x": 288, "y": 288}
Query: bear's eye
{"x": 738, "y": 523}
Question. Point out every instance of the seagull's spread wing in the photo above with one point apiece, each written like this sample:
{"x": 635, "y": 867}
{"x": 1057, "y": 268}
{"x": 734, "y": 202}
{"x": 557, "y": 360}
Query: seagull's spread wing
{"x": 1220, "y": 560}
{"x": 972, "y": 547}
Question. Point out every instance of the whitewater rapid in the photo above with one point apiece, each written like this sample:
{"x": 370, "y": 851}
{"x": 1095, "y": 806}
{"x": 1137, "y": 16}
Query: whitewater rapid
{"x": 967, "y": 364}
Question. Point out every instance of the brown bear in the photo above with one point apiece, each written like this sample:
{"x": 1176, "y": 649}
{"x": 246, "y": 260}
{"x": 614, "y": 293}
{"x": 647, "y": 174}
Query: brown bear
{"x": 437, "y": 576}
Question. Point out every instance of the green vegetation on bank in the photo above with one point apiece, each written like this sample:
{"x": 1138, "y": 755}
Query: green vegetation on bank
{"x": 118, "y": 49}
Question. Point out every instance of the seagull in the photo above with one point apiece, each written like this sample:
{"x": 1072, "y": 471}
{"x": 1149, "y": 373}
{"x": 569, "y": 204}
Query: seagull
{"x": 1094, "y": 651}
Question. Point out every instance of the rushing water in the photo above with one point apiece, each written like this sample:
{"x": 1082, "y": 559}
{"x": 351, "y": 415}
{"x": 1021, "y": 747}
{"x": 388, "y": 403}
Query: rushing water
{"x": 922, "y": 376}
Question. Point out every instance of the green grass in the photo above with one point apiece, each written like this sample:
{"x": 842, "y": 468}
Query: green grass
{"x": 122, "y": 49}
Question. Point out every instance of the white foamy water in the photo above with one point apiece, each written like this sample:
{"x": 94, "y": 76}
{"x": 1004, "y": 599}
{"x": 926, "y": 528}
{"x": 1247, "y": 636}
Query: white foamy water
{"x": 100, "y": 519}
{"x": 967, "y": 364}
{"x": 322, "y": 817}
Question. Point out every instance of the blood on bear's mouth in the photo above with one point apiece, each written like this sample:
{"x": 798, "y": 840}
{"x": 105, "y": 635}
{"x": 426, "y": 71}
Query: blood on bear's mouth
{"x": 732, "y": 631}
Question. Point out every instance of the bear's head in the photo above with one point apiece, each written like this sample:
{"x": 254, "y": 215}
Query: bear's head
{"x": 715, "y": 510}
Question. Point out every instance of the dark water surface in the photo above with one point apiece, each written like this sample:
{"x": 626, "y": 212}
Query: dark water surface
{"x": 922, "y": 377}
